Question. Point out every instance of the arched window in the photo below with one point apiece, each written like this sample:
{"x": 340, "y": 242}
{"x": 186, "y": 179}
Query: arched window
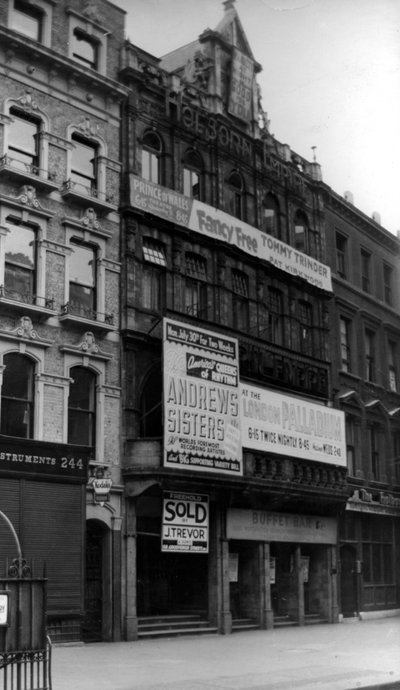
{"x": 82, "y": 407}
{"x": 236, "y": 195}
{"x": 192, "y": 175}
{"x": 151, "y": 157}
{"x": 151, "y": 405}
{"x": 17, "y": 396}
{"x": 271, "y": 216}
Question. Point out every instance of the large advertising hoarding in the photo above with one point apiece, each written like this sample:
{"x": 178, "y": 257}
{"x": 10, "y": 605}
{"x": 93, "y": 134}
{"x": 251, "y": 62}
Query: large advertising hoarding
{"x": 276, "y": 423}
{"x": 212, "y": 222}
{"x": 201, "y": 400}
{"x": 185, "y": 523}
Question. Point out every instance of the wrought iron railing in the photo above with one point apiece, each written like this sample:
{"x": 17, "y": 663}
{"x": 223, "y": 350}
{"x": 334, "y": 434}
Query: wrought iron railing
{"x": 26, "y": 297}
{"x": 87, "y": 190}
{"x": 17, "y": 165}
{"x": 80, "y": 310}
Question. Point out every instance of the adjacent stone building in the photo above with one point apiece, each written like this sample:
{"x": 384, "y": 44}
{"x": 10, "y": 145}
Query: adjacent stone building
{"x": 59, "y": 304}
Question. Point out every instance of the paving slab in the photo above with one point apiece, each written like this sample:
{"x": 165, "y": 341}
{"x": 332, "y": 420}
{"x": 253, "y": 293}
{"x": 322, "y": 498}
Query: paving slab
{"x": 318, "y": 657}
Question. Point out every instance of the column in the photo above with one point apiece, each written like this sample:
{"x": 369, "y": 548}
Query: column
{"x": 131, "y": 621}
{"x": 300, "y": 585}
{"x": 267, "y": 618}
{"x": 224, "y": 598}
{"x": 333, "y": 569}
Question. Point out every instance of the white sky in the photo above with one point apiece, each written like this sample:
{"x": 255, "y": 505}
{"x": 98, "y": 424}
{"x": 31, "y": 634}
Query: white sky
{"x": 330, "y": 79}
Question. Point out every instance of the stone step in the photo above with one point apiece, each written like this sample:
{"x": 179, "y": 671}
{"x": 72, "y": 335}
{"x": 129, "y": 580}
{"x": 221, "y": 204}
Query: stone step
{"x": 177, "y": 631}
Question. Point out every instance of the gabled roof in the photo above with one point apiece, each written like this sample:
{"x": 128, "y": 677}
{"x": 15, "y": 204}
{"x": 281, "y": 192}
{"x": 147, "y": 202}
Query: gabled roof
{"x": 230, "y": 27}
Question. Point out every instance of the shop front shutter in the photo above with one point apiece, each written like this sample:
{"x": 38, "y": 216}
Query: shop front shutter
{"x": 9, "y": 505}
{"x": 53, "y": 524}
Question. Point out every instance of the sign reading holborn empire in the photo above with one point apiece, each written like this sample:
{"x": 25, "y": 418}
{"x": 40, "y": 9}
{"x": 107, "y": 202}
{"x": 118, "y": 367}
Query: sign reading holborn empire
{"x": 201, "y": 400}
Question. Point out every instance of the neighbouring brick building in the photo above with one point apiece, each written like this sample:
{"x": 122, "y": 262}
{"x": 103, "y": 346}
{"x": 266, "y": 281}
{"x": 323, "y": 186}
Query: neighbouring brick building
{"x": 59, "y": 304}
{"x": 365, "y": 327}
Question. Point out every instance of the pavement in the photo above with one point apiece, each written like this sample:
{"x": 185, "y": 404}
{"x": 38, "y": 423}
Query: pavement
{"x": 346, "y": 656}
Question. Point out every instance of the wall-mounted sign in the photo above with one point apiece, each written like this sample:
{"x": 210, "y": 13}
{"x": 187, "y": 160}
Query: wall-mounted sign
{"x": 201, "y": 400}
{"x": 212, "y": 222}
{"x": 276, "y": 423}
{"x": 241, "y": 86}
{"x": 264, "y": 525}
{"x": 185, "y": 523}
{"x": 4, "y": 607}
{"x": 42, "y": 457}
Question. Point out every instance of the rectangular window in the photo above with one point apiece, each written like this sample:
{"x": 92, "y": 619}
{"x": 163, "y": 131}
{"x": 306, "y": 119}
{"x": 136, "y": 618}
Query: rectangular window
{"x": 365, "y": 270}
{"x": 369, "y": 355}
{"x": 196, "y": 286}
{"x": 275, "y": 305}
{"x": 351, "y": 446}
{"x": 82, "y": 285}
{"x": 150, "y": 166}
{"x": 392, "y": 361}
{"x": 374, "y": 452}
{"x": 84, "y": 49}
{"x": 83, "y": 165}
{"x": 191, "y": 183}
{"x": 378, "y": 550}
{"x": 20, "y": 264}
{"x": 240, "y": 300}
{"x": 153, "y": 274}
{"x": 23, "y": 138}
{"x": 341, "y": 255}
{"x": 344, "y": 333}
{"x": 305, "y": 326}
{"x": 388, "y": 283}
{"x": 27, "y": 20}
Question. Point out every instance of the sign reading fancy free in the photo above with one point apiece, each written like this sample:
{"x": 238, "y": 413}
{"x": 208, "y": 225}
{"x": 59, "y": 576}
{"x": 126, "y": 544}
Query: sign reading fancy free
{"x": 276, "y": 423}
{"x": 212, "y": 222}
{"x": 201, "y": 400}
{"x": 185, "y": 523}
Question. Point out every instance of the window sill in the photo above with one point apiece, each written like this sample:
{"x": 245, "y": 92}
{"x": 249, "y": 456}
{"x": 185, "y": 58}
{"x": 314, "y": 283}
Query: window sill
{"x": 37, "y": 177}
{"x": 40, "y": 307}
{"x": 98, "y": 200}
{"x": 99, "y": 322}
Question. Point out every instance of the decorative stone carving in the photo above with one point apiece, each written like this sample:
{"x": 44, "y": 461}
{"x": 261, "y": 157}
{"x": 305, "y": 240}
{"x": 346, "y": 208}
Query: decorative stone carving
{"x": 25, "y": 329}
{"x": 197, "y": 70}
{"x": 27, "y": 102}
{"x": 91, "y": 11}
{"x": 89, "y": 219}
{"x": 87, "y": 128}
{"x": 88, "y": 344}
{"x": 27, "y": 195}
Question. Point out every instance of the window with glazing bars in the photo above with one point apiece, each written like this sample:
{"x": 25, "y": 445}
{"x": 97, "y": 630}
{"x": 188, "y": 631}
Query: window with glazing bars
{"x": 153, "y": 274}
{"x": 195, "y": 285}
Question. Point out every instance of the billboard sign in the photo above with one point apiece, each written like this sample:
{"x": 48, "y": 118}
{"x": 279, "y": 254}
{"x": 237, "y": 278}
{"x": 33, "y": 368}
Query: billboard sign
{"x": 212, "y": 222}
{"x": 201, "y": 400}
{"x": 276, "y": 423}
{"x": 185, "y": 523}
{"x": 241, "y": 86}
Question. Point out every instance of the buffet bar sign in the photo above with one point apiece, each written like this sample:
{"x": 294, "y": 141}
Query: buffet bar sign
{"x": 265, "y": 525}
{"x": 241, "y": 86}
{"x": 212, "y": 222}
{"x": 185, "y": 523}
{"x": 201, "y": 400}
{"x": 276, "y": 423}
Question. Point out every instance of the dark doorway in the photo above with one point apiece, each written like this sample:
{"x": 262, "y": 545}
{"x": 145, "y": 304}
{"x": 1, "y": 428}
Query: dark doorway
{"x": 93, "y": 621}
{"x": 348, "y": 580}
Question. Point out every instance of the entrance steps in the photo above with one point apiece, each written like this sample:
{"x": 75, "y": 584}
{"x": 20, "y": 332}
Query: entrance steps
{"x": 173, "y": 626}
{"x": 240, "y": 624}
{"x": 314, "y": 619}
{"x": 284, "y": 621}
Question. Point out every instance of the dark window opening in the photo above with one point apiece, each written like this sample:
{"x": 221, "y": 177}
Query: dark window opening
{"x": 20, "y": 264}
{"x": 17, "y": 396}
{"x": 27, "y": 20}
{"x": 82, "y": 284}
{"x": 84, "y": 164}
{"x": 23, "y": 144}
{"x": 81, "y": 407}
{"x": 85, "y": 49}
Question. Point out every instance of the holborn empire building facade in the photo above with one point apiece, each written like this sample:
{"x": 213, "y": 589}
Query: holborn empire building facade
{"x": 191, "y": 424}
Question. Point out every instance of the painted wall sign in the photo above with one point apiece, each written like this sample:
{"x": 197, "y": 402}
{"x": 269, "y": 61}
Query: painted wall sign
{"x": 262, "y": 525}
{"x": 201, "y": 400}
{"x": 241, "y": 86}
{"x": 212, "y": 222}
{"x": 40, "y": 457}
{"x": 185, "y": 523}
{"x": 276, "y": 423}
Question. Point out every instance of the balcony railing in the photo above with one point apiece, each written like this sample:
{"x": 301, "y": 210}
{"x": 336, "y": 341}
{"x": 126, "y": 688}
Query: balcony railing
{"x": 298, "y": 473}
{"x": 27, "y": 171}
{"x": 83, "y": 192}
{"x": 84, "y": 312}
{"x": 26, "y": 298}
